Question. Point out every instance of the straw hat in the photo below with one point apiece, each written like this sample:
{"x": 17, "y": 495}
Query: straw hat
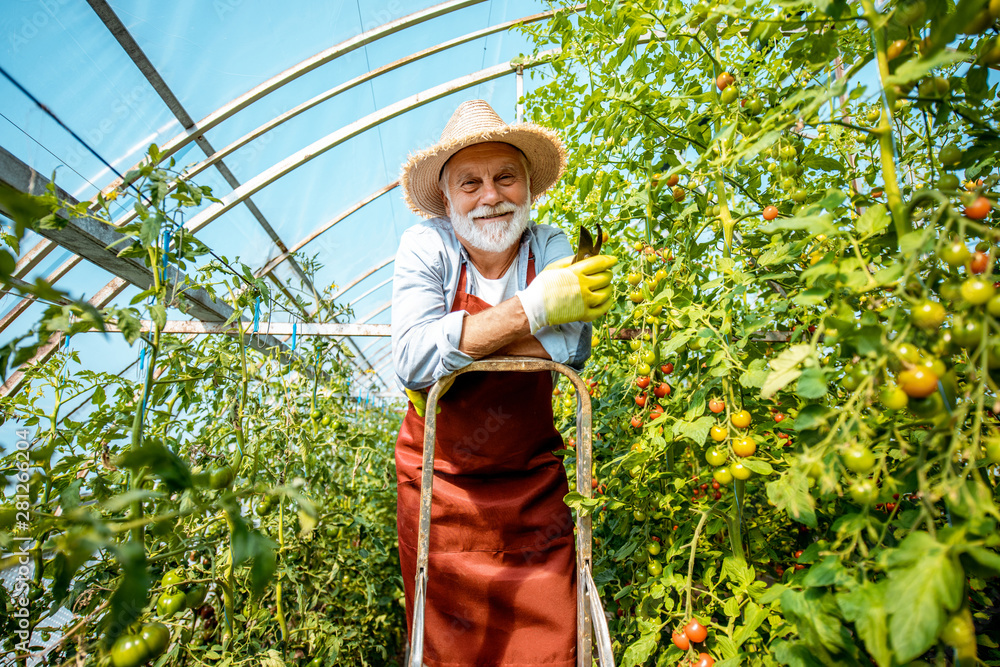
{"x": 475, "y": 122}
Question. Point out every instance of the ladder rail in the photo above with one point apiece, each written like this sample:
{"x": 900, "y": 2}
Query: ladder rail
{"x": 590, "y": 616}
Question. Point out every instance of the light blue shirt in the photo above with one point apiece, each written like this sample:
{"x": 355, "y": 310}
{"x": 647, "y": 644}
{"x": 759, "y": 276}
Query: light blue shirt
{"x": 425, "y": 334}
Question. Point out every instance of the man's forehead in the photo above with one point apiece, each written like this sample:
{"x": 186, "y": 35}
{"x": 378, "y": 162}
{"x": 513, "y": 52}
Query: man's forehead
{"x": 488, "y": 151}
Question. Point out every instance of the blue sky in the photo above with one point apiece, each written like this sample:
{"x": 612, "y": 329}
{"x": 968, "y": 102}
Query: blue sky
{"x": 212, "y": 51}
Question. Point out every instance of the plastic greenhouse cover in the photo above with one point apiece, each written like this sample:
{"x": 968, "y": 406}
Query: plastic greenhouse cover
{"x": 209, "y": 53}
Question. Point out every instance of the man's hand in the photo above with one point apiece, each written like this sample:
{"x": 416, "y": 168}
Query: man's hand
{"x": 419, "y": 400}
{"x": 566, "y": 292}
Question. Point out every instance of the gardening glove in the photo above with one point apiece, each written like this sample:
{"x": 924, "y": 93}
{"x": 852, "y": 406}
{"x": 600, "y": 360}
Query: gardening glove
{"x": 569, "y": 292}
{"x": 419, "y": 400}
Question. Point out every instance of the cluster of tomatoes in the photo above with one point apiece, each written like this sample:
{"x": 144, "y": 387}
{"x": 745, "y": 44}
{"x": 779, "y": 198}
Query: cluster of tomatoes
{"x": 693, "y": 633}
{"x": 660, "y": 390}
{"x": 742, "y": 446}
{"x": 135, "y": 649}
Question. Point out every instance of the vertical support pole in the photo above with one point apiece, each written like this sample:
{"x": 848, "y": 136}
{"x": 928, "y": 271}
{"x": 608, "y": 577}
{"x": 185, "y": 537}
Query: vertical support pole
{"x": 520, "y": 93}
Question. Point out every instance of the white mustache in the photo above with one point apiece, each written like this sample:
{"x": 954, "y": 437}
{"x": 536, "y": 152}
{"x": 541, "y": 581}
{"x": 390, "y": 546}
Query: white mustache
{"x": 491, "y": 211}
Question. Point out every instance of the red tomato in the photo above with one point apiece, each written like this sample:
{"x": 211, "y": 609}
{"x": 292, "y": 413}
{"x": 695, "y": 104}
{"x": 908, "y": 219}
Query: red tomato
{"x": 681, "y": 641}
{"x": 662, "y": 390}
{"x": 716, "y": 406}
{"x": 778, "y": 417}
{"x": 656, "y": 411}
{"x": 695, "y": 631}
{"x": 640, "y": 400}
{"x": 980, "y": 260}
{"x": 724, "y": 80}
{"x": 642, "y": 381}
{"x": 636, "y": 421}
{"x": 978, "y": 209}
{"x": 770, "y": 212}
{"x": 667, "y": 369}
{"x": 704, "y": 660}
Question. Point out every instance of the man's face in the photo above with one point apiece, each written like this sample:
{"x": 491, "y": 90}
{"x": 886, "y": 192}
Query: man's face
{"x": 487, "y": 195}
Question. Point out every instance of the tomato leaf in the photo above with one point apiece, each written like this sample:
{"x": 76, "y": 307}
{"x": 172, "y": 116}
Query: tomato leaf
{"x": 864, "y": 607}
{"x": 758, "y": 466}
{"x": 925, "y": 582}
{"x": 785, "y": 369}
{"x": 812, "y": 383}
{"x": 872, "y": 221}
{"x": 129, "y": 598}
{"x": 640, "y": 650}
{"x": 790, "y": 493}
{"x": 696, "y": 431}
{"x": 816, "y": 616}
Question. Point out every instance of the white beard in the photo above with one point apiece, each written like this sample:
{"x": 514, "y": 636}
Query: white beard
{"x": 492, "y": 236}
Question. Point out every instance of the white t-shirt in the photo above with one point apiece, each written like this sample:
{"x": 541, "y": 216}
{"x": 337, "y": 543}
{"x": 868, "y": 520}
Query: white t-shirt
{"x": 497, "y": 290}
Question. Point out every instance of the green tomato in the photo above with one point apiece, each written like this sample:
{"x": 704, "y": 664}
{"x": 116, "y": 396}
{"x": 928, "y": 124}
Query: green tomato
{"x": 894, "y": 398}
{"x": 949, "y": 182}
{"x": 653, "y": 548}
{"x": 173, "y": 577}
{"x": 723, "y": 476}
{"x": 739, "y": 471}
{"x": 968, "y": 333}
{"x": 315, "y": 415}
{"x": 639, "y": 515}
{"x": 653, "y": 567}
{"x": 950, "y": 155}
{"x": 956, "y": 254}
{"x": 926, "y": 407}
{"x": 977, "y": 291}
{"x": 644, "y": 369}
{"x": 928, "y": 315}
{"x": 993, "y": 306}
{"x": 157, "y": 638}
{"x": 993, "y": 450}
{"x": 169, "y": 604}
{"x": 858, "y": 459}
{"x": 221, "y": 477}
{"x": 959, "y": 631}
{"x": 649, "y": 357}
{"x": 864, "y": 492}
{"x": 729, "y": 95}
{"x": 129, "y": 651}
{"x": 195, "y": 597}
{"x": 716, "y": 457}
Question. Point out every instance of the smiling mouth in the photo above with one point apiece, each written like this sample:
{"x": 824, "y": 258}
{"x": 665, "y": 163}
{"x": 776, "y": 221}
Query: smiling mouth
{"x": 494, "y": 218}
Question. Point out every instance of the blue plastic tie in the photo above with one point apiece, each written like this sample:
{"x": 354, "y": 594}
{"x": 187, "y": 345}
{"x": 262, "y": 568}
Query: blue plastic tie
{"x": 294, "y": 328}
{"x": 166, "y": 250}
{"x": 66, "y": 341}
{"x": 256, "y": 314}
{"x": 142, "y": 357}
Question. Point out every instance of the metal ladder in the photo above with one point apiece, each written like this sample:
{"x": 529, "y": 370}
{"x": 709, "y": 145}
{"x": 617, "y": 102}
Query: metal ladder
{"x": 591, "y": 623}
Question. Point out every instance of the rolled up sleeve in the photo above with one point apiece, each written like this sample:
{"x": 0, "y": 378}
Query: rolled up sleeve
{"x": 425, "y": 334}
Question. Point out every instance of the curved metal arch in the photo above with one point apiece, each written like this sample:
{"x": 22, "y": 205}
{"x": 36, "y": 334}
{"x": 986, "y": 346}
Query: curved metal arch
{"x": 358, "y": 80}
{"x": 273, "y": 263}
{"x": 317, "y": 148}
{"x": 294, "y": 72}
{"x": 383, "y": 307}
{"x": 380, "y": 285}
{"x": 386, "y": 262}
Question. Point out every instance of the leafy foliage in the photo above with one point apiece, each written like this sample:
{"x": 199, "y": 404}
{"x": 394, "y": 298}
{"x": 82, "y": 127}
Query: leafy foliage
{"x": 787, "y": 187}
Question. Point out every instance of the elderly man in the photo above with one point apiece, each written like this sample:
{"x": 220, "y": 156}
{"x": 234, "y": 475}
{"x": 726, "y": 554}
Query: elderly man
{"x": 479, "y": 278}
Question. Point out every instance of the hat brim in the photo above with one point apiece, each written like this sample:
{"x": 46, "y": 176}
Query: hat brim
{"x": 541, "y": 146}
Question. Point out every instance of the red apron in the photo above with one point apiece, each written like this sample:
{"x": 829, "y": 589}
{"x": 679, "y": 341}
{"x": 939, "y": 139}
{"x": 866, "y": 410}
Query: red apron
{"x": 502, "y": 568}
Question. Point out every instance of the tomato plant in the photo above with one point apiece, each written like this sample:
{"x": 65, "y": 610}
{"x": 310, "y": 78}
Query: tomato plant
{"x": 186, "y": 514}
{"x": 822, "y": 269}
